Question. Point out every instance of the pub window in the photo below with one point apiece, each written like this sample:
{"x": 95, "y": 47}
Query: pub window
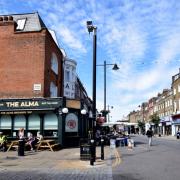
{"x": 34, "y": 122}
{"x": 50, "y": 125}
{"x": 5, "y": 122}
{"x": 19, "y": 122}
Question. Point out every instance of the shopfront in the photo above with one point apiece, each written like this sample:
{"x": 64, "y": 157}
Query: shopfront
{"x": 38, "y": 114}
{"x": 175, "y": 124}
{"x": 44, "y": 115}
{"x": 165, "y": 125}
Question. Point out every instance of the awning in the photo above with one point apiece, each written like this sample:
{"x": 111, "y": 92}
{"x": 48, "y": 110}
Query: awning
{"x": 166, "y": 119}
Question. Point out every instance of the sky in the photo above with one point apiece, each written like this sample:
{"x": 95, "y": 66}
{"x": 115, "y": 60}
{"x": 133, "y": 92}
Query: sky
{"x": 141, "y": 36}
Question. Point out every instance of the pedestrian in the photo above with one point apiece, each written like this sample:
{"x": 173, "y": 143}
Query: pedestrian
{"x": 149, "y": 134}
{"x": 39, "y": 137}
{"x": 31, "y": 141}
{"x": 21, "y": 133}
{"x": 178, "y": 134}
{"x": 3, "y": 141}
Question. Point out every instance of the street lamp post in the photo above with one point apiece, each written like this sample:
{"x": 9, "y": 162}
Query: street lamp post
{"x": 92, "y": 28}
{"x": 115, "y": 67}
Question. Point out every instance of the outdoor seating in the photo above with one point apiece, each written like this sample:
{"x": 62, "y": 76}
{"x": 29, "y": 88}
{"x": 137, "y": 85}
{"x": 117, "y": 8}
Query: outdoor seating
{"x": 48, "y": 144}
{"x": 12, "y": 145}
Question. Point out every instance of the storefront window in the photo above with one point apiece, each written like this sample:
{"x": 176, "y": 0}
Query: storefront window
{"x": 50, "y": 122}
{"x": 50, "y": 125}
{"x": 34, "y": 122}
{"x": 19, "y": 122}
{"x": 5, "y": 122}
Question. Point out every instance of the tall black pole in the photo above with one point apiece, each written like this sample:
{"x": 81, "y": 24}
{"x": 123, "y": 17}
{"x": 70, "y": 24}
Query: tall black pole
{"x": 92, "y": 28}
{"x": 94, "y": 95}
{"x": 105, "y": 89}
{"x": 94, "y": 83}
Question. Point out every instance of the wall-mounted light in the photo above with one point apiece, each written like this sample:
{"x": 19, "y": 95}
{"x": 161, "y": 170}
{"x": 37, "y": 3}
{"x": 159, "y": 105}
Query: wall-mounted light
{"x": 63, "y": 110}
{"x": 83, "y": 111}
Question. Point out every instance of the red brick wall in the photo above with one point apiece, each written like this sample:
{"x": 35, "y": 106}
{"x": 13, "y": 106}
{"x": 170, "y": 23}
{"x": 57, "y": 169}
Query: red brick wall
{"x": 51, "y": 47}
{"x": 21, "y": 62}
{"x": 25, "y": 61}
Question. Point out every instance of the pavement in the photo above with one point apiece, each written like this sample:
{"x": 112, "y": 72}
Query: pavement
{"x": 61, "y": 164}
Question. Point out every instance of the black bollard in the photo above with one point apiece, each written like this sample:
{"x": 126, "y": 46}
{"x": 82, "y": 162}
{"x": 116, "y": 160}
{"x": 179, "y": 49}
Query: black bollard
{"x": 102, "y": 149}
{"x": 21, "y": 148}
{"x": 92, "y": 152}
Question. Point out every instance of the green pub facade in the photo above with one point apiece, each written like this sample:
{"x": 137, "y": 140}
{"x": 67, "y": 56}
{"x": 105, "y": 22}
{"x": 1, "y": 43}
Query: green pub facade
{"x": 39, "y": 114}
{"x": 44, "y": 115}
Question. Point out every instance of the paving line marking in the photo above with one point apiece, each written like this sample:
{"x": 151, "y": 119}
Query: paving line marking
{"x": 117, "y": 159}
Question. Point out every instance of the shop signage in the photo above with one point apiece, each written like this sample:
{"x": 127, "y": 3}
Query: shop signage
{"x": 20, "y": 104}
{"x": 71, "y": 123}
{"x": 166, "y": 119}
{"x": 37, "y": 87}
{"x": 177, "y": 121}
{"x": 15, "y": 112}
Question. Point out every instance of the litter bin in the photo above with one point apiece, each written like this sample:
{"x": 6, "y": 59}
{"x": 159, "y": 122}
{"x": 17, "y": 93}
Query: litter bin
{"x": 85, "y": 151}
{"x": 21, "y": 148}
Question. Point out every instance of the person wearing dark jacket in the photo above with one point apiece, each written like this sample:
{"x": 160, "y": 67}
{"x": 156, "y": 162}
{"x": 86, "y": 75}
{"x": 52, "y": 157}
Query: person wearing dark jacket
{"x": 149, "y": 134}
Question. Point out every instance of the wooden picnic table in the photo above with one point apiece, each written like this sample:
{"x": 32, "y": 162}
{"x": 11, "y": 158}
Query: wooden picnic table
{"x": 13, "y": 144}
{"x": 47, "y": 143}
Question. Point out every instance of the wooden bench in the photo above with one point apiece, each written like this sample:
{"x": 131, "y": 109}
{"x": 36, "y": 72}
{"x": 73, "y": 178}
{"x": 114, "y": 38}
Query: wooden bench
{"x": 12, "y": 144}
{"x": 15, "y": 143}
{"x": 48, "y": 144}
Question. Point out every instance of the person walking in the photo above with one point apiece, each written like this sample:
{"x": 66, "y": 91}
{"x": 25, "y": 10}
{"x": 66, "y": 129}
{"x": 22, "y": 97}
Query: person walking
{"x": 149, "y": 134}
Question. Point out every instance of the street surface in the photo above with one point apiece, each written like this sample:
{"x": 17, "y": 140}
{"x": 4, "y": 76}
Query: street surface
{"x": 159, "y": 162}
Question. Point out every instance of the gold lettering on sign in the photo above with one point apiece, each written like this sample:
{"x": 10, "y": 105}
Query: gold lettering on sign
{"x": 29, "y": 103}
{"x": 12, "y": 104}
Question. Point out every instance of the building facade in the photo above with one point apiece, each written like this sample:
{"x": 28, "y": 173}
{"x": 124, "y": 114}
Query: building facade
{"x": 31, "y": 86}
{"x": 176, "y": 103}
{"x": 164, "y": 110}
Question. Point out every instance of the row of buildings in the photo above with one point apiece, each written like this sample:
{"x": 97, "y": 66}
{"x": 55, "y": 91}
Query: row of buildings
{"x": 39, "y": 87}
{"x": 166, "y": 105}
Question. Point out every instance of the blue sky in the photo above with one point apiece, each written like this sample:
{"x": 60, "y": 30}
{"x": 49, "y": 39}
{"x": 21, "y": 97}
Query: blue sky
{"x": 141, "y": 36}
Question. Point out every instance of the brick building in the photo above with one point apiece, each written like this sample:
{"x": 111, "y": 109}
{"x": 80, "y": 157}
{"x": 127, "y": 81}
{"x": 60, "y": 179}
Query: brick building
{"x": 31, "y": 86}
{"x": 31, "y": 62}
{"x": 176, "y": 103}
{"x": 32, "y": 80}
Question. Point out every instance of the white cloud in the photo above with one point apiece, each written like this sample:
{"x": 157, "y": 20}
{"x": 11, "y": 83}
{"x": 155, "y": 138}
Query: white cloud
{"x": 142, "y": 37}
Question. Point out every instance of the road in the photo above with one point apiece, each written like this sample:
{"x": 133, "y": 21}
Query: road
{"x": 160, "y": 162}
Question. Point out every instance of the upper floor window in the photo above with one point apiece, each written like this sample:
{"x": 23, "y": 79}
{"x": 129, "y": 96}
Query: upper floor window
{"x": 54, "y": 63}
{"x": 21, "y": 24}
{"x": 53, "y": 90}
{"x": 174, "y": 91}
{"x": 67, "y": 76}
{"x": 178, "y": 88}
{"x": 170, "y": 102}
{"x": 166, "y": 103}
